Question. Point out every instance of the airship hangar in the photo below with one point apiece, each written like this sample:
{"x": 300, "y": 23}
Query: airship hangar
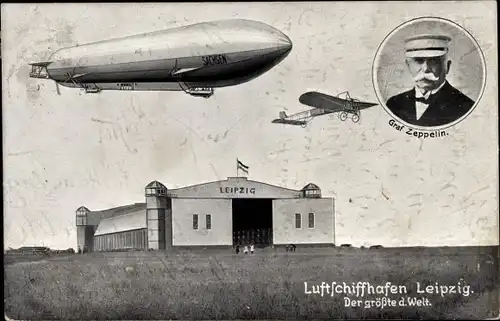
{"x": 225, "y": 213}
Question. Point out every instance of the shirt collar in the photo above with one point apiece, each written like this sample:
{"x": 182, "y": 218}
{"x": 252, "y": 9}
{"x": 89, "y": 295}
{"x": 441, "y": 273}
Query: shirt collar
{"x": 419, "y": 94}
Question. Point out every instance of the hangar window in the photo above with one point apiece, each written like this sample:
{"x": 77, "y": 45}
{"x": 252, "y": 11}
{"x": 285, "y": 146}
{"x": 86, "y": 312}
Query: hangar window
{"x": 311, "y": 220}
{"x": 81, "y": 216}
{"x": 298, "y": 220}
{"x": 155, "y": 191}
{"x": 81, "y": 220}
{"x": 195, "y": 221}
{"x": 208, "y": 221}
{"x": 156, "y": 188}
{"x": 313, "y": 194}
{"x": 311, "y": 191}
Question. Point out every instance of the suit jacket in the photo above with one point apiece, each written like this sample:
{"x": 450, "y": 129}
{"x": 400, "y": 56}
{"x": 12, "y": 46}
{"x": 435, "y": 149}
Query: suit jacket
{"x": 445, "y": 106}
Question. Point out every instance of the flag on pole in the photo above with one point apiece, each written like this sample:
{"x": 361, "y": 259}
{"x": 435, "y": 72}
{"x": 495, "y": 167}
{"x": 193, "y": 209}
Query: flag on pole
{"x": 241, "y": 166}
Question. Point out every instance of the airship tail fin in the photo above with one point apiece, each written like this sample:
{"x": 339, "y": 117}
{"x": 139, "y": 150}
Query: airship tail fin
{"x": 183, "y": 70}
{"x": 40, "y": 64}
{"x": 39, "y": 69}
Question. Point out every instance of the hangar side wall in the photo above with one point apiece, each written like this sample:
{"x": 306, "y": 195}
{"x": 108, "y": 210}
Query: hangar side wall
{"x": 284, "y": 221}
{"x": 131, "y": 240}
{"x": 221, "y": 222}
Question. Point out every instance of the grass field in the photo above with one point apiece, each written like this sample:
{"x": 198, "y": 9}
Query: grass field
{"x": 218, "y": 284}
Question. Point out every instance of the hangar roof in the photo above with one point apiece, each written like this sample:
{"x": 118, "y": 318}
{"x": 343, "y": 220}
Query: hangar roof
{"x": 234, "y": 187}
{"x": 311, "y": 186}
{"x": 122, "y": 223}
{"x": 155, "y": 184}
{"x": 83, "y": 209}
{"x": 94, "y": 217}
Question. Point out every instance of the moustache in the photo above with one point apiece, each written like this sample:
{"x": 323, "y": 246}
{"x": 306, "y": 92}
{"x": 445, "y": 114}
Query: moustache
{"x": 425, "y": 76}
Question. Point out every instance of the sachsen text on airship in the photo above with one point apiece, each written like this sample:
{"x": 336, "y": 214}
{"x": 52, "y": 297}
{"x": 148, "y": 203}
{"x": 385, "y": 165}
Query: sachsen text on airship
{"x": 195, "y": 58}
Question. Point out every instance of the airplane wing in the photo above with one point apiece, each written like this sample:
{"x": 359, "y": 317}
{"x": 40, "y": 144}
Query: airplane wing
{"x": 364, "y": 105}
{"x": 328, "y": 102}
{"x": 319, "y": 100}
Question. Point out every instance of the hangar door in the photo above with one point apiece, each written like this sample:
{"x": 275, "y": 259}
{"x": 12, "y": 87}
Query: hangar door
{"x": 252, "y": 221}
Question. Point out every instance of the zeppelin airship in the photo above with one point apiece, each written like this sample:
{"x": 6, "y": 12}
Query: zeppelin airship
{"x": 195, "y": 59}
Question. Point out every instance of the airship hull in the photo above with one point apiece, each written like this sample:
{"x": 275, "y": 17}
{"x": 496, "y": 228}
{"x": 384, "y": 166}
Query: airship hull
{"x": 236, "y": 69}
{"x": 214, "y": 54}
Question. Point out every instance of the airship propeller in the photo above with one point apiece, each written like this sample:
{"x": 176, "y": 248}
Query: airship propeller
{"x": 57, "y": 89}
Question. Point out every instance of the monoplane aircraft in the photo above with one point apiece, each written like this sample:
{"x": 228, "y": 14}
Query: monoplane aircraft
{"x": 325, "y": 104}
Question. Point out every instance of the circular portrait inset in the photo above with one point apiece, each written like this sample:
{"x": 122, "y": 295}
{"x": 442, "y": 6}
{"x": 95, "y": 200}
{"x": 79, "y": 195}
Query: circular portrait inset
{"x": 429, "y": 73}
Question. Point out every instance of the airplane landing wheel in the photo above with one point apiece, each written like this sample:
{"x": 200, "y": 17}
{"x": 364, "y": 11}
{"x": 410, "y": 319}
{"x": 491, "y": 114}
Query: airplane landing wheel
{"x": 303, "y": 125}
{"x": 355, "y": 118}
{"x": 343, "y": 116}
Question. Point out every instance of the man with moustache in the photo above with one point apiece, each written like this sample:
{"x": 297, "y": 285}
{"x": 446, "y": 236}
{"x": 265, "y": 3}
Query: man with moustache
{"x": 433, "y": 101}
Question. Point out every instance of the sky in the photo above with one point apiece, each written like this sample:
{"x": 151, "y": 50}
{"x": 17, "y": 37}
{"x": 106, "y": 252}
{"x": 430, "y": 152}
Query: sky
{"x": 101, "y": 150}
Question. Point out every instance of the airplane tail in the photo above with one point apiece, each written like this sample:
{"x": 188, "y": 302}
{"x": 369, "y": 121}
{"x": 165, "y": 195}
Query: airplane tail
{"x": 282, "y": 115}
